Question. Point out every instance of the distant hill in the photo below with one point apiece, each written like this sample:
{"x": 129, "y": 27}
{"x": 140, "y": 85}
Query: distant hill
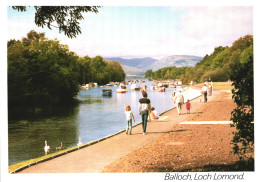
{"x": 129, "y": 70}
{"x": 134, "y": 62}
{"x": 138, "y": 66}
{"x": 176, "y": 60}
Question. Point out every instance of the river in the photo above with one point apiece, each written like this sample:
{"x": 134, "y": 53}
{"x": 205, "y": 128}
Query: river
{"x": 95, "y": 117}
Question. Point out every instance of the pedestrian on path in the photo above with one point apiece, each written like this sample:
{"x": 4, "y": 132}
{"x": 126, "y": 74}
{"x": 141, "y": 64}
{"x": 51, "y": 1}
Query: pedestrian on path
{"x": 204, "y": 92}
{"x": 179, "y": 100}
{"x": 210, "y": 89}
{"x": 129, "y": 116}
{"x": 188, "y": 106}
{"x": 144, "y": 108}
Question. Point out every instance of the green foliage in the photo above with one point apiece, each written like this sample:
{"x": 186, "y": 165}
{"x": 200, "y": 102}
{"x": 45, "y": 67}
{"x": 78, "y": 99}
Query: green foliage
{"x": 40, "y": 71}
{"x": 66, "y": 18}
{"x": 217, "y": 66}
{"x": 243, "y": 95}
{"x": 218, "y": 74}
{"x": 148, "y": 74}
{"x": 100, "y": 71}
{"x": 168, "y": 73}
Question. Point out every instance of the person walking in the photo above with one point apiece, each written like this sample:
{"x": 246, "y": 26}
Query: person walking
{"x": 188, "y": 106}
{"x": 144, "y": 108}
{"x": 129, "y": 116}
{"x": 179, "y": 100}
{"x": 204, "y": 92}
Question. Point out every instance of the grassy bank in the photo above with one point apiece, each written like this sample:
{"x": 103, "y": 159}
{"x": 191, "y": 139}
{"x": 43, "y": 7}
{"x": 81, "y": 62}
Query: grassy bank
{"x": 219, "y": 86}
{"x": 16, "y": 166}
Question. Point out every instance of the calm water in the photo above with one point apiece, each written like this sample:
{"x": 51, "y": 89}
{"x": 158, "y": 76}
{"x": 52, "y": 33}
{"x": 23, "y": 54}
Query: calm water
{"x": 94, "y": 118}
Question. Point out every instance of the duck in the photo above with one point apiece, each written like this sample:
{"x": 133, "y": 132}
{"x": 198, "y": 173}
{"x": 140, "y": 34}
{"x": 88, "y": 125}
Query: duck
{"x": 46, "y": 148}
{"x": 60, "y": 147}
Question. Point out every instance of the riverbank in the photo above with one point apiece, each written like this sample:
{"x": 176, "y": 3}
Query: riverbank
{"x": 164, "y": 143}
{"x": 105, "y": 152}
{"x": 192, "y": 147}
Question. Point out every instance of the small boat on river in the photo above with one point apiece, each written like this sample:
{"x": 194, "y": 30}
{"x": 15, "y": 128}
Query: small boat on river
{"x": 106, "y": 92}
{"x": 122, "y": 89}
{"x": 87, "y": 86}
{"x": 160, "y": 89}
{"x": 135, "y": 87}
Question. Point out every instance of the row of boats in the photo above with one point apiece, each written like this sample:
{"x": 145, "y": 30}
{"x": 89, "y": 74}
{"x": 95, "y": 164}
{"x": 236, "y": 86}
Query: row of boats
{"x": 157, "y": 86}
{"x": 122, "y": 89}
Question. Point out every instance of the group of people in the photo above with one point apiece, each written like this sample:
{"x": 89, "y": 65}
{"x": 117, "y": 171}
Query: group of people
{"x": 207, "y": 90}
{"x": 145, "y": 110}
{"x": 149, "y": 113}
{"x": 178, "y": 99}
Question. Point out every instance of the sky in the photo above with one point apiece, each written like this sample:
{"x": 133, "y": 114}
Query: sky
{"x": 146, "y": 31}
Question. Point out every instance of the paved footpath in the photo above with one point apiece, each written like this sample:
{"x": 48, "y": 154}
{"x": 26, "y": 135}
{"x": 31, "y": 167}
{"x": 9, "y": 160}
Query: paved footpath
{"x": 94, "y": 158}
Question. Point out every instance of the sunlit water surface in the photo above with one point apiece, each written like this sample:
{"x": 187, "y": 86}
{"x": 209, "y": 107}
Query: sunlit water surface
{"x": 96, "y": 117}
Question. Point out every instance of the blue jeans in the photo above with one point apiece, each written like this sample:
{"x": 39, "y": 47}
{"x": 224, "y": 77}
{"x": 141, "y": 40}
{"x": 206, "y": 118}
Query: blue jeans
{"x": 144, "y": 115}
{"x": 129, "y": 126}
{"x": 205, "y": 97}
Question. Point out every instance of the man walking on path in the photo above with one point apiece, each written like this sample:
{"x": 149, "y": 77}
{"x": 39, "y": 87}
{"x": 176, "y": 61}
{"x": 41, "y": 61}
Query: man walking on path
{"x": 204, "y": 92}
{"x": 179, "y": 100}
{"x": 144, "y": 107}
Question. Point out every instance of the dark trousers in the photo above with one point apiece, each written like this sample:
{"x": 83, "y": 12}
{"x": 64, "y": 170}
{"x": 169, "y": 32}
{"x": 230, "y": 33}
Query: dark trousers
{"x": 144, "y": 115}
{"x": 205, "y": 97}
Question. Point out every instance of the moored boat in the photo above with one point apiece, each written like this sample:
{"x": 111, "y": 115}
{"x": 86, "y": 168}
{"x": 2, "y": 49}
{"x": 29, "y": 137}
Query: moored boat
{"x": 106, "y": 92}
{"x": 122, "y": 89}
{"x": 160, "y": 89}
{"x": 135, "y": 87}
{"x": 87, "y": 86}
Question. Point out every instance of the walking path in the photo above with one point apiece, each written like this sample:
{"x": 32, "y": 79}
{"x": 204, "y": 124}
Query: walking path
{"x": 95, "y": 157}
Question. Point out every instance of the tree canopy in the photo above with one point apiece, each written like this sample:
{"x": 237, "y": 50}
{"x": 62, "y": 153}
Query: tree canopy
{"x": 217, "y": 66}
{"x": 234, "y": 63}
{"x": 43, "y": 71}
{"x": 65, "y": 18}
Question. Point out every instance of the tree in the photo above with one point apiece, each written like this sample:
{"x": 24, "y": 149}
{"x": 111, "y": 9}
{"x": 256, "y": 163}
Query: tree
{"x": 148, "y": 74}
{"x": 41, "y": 71}
{"x": 66, "y": 17}
{"x": 243, "y": 95}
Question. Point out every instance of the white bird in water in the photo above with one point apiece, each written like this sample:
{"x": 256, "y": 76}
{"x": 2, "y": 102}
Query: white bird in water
{"x": 46, "y": 148}
{"x": 80, "y": 143}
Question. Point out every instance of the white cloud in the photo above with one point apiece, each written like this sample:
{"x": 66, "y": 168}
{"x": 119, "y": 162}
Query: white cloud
{"x": 216, "y": 25}
{"x": 188, "y": 30}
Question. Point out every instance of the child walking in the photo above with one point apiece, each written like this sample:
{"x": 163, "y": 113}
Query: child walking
{"x": 188, "y": 106}
{"x": 129, "y": 116}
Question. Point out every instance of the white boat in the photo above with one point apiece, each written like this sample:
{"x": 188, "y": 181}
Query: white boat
{"x": 122, "y": 89}
{"x": 87, "y": 86}
{"x": 160, "y": 89}
{"x": 135, "y": 87}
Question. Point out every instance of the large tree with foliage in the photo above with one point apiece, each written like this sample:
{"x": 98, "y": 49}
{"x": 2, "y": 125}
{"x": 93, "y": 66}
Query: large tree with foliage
{"x": 243, "y": 94}
{"x": 65, "y": 18}
{"x": 41, "y": 71}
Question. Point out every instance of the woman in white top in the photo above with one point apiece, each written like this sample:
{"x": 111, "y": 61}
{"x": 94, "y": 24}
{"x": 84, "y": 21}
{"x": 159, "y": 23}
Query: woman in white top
{"x": 179, "y": 100}
{"x": 204, "y": 92}
{"x": 129, "y": 116}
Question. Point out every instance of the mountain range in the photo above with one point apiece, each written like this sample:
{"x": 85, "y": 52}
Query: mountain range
{"x": 138, "y": 66}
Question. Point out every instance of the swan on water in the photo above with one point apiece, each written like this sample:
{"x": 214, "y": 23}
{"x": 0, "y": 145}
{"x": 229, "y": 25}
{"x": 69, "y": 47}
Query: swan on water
{"x": 80, "y": 143}
{"x": 60, "y": 147}
{"x": 46, "y": 148}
